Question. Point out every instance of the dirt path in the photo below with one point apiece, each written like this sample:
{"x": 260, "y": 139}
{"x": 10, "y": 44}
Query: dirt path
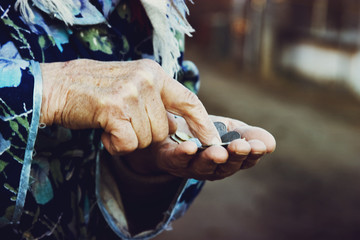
{"x": 307, "y": 189}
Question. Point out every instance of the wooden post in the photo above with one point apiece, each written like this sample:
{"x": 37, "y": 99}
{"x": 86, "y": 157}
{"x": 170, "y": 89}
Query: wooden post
{"x": 319, "y": 17}
{"x": 267, "y": 41}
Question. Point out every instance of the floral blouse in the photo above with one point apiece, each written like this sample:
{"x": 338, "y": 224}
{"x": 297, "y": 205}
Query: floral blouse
{"x": 53, "y": 181}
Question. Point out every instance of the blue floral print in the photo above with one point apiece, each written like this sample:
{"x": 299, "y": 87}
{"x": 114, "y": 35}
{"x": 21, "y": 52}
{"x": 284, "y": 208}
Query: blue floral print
{"x": 48, "y": 174}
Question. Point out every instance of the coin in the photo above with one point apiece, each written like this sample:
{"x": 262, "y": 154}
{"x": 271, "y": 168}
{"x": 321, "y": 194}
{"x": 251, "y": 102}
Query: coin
{"x": 183, "y": 136}
{"x": 230, "y": 136}
{"x": 221, "y": 128}
{"x": 175, "y": 138}
{"x": 226, "y": 137}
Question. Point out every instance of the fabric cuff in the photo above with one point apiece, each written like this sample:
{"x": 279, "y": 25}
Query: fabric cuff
{"x": 137, "y": 206}
{"x": 25, "y": 171}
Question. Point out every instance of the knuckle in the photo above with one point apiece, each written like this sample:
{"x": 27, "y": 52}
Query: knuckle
{"x": 161, "y": 134}
{"x": 121, "y": 144}
{"x": 192, "y": 102}
{"x": 192, "y": 98}
{"x": 149, "y": 71}
{"x": 145, "y": 142}
{"x": 147, "y": 65}
{"x": 111, "y": 107}
{"x": 132, "y": 92}
{"x": 129, "y": 147}
{"x": 146, "y": 77}
{"x": 116, "y": 147}
{"x": 121, "y": 96}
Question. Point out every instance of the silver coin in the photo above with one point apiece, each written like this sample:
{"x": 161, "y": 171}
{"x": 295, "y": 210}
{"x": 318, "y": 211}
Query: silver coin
{"x": 230, "y": 136}
{"x": 175, "y": 138}
{"x": 221, "y": 128}
{"x": 223, "y": 144}
{"x": 183, "y": 136}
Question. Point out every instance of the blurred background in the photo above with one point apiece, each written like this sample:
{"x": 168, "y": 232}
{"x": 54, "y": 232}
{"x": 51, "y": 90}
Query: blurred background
{"x": 293, "y": 68}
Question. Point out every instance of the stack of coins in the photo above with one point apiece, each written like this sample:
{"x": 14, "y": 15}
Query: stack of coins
{"x": 226, "y": 137}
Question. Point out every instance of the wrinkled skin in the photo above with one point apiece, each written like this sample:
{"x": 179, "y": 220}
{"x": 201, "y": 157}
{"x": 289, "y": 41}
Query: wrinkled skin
{"x": 133, "y": 103}
{"x": 213, "y": 163}
{"x": 128, "y": 100}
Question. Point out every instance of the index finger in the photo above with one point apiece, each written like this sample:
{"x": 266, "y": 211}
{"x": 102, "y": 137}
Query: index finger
{"x": 179, "y": 100}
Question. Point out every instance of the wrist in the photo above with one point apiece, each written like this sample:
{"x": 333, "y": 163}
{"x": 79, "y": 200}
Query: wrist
{"x": 50, "y": 75}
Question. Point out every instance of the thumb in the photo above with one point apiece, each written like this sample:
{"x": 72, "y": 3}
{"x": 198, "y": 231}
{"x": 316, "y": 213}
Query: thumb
{"x": 179, "y": 100}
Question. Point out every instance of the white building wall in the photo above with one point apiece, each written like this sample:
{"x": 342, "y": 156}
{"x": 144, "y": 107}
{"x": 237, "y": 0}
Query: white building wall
{"x": 323, "y": 64}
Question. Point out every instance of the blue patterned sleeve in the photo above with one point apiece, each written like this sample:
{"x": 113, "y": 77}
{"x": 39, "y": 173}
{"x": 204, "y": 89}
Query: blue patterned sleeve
{"x": 20, "y": 102}
{"x": 139, "y": 206}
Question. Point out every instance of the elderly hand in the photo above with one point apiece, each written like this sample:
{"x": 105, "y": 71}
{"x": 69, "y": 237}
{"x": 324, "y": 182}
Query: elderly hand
{"x": 215, "y": 162}
{"x": 128, "y": 100}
